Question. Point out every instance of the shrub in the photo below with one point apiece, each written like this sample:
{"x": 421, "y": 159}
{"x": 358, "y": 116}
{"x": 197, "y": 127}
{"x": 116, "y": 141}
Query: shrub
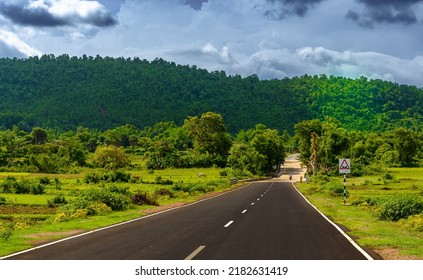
{"x": 37, "y": 189}
{"x": 159, "y": 180}
{"x": 141, "y": 198}
{"x": 164, "y": 192}
{"x": 8, "y": 184}
{"x": 117, "y": 176}
{"x": 6, "y": 233}
{"x": 2, "y": 200}
{"x": 93, "y": 177}
{"x": 114, "y": 200}
{"x": 414, "y": 222}
{"x": 337, "y": 190}
{"x": 22, "y": 187}
{"x": 399, "y": 207}
{"x": 365, "y": 201}
{"x": 44, "y": 180}
{"x": 57, "y": 200}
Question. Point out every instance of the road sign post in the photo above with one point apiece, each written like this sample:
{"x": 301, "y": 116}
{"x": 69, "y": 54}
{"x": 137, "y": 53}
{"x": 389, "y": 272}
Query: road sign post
{"x": 345, "y": 168}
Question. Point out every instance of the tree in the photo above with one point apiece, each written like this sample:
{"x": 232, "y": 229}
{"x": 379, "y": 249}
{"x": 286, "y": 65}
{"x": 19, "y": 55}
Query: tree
{"x": 209, "y": 134}
{"x": 39, "y": 135}
{"x": 270, "y": 144}
{"x": 111, "y": 157}
{"x": 303, "y": 133}
{"x": 246, "y": 159}
{"x": 405, "y": 142}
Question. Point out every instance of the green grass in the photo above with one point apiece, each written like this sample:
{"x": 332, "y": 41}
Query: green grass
{"x": 381, "y": 236}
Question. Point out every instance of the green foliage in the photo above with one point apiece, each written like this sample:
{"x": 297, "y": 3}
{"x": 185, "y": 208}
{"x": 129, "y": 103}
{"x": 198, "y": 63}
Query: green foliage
{"x": 337, "y": 190}
{"x": 57, "y": 200}
{"x": 114, "y": 176}
{"x": 12, "y": 185}
{"x": 107, "y": 92}
{"x": 399, "y": 207}
{"x": 111, "y": 157}
{"x": 141, "y": 198}
{"x": 414, "y": 222}
{"x": 2, "y": 200}
{"x": 6, "y": 232}
{"x": 115, "y": 200}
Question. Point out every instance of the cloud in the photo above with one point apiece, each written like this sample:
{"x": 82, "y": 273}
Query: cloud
{"x": 280, "y": 9}
{"x": 318, "y": 60}
{"x": 12, "y": 46}
{"x": 196, "y": 4}
{"x": 385, "y": 12}
{"x": 53, "y": 13}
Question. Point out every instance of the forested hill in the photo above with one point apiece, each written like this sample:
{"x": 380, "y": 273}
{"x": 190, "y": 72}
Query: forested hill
{"x": 66, "y": 92}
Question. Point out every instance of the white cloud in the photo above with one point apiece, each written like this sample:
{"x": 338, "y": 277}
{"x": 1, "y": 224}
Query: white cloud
{"x": 12, "y": 46}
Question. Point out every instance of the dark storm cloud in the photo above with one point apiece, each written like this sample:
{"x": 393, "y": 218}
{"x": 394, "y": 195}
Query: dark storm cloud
{"x": 42, "y": 17}
{"x": 283, "y": 8}
{"x": 385, "y": 11}
{"x": 196, "y": 4}
{"x": 33, "y": 17}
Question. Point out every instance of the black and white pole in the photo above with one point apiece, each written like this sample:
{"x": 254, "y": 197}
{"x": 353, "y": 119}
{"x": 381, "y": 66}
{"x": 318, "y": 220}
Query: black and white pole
{"x": 345, "y": 189}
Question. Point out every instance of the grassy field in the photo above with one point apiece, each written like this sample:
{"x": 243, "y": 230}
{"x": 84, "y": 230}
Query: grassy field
{"x": 27, "y": 220}
{"x": 400, "y": 239}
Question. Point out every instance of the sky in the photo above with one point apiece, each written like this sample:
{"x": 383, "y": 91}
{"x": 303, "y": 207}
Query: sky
{"x": 378, "y": 39}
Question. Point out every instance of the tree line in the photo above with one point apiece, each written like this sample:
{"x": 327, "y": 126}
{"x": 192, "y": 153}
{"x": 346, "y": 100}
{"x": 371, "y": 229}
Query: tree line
{"x": 201, "y": 141}
{"x": 63, "y": 92}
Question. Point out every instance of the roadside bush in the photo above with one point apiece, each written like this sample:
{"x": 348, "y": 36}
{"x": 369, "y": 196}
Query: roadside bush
{"x": 164, "y": 192}
{"x": 141, "y": 198}
{"x": 399, "y": 207}
{"x": 115, "y": 201}
{"x": 337, "y": 190}
{"x": 414, "y": 222}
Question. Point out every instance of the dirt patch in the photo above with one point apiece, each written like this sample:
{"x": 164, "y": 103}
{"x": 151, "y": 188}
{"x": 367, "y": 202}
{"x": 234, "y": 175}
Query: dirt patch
{"x": 45, "y": 237}
{"x": 393, "y": 254}
{"x": 20, "y": 209}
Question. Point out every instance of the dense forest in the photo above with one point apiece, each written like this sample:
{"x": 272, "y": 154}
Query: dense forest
{"x": 102, "y": 93}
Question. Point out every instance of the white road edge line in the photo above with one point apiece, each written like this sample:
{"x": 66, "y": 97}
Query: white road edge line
{"x": 228, "y": 224}
{"x": 119, "y": 224}
{"x": 195, "y": 253}
{"x": 243, "y": 212}
{"x": 361, "y": 250}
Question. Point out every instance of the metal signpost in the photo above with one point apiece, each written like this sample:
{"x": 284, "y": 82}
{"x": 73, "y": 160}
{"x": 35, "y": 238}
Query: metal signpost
{"x": 345, "y": 168}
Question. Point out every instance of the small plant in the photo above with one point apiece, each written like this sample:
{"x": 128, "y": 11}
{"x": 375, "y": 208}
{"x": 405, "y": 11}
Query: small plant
{"x": 399, "y": 207}
{"x": 44, "y": 180}
{"x": 164, "y": 192}
{"x": 2, "y": 200}
{"x": 141, "y": 198}
{"x": 6, "y": 232}
{"x": 57, "y": 200}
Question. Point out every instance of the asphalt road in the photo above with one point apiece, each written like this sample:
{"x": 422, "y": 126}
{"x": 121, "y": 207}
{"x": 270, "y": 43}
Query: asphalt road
{"x": 264, "y": 220}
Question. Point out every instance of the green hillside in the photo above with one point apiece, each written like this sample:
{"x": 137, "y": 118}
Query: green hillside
{"x": 95, "y": 92}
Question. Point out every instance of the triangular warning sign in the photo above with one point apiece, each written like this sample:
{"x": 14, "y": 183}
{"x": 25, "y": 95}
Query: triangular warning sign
{"x": 344, "y": 165}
